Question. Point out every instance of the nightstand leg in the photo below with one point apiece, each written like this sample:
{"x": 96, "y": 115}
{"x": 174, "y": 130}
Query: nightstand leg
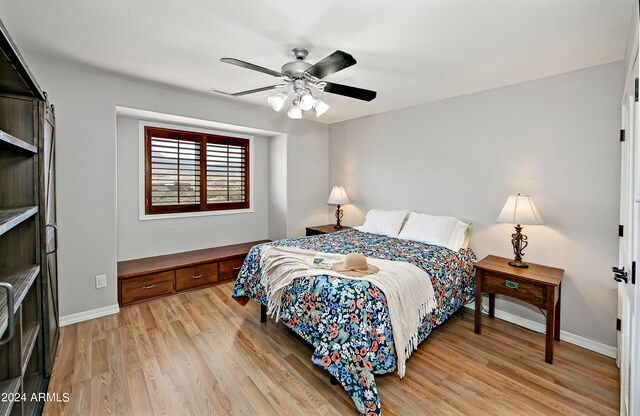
{"x": 548, "y": 351}
{"x": 556, "y": 326}
{"x": 492, "y": 305}
{"x": 478, "y": 317}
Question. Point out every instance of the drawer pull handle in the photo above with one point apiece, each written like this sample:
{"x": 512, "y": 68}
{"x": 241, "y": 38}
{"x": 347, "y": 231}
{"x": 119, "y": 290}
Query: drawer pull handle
{"x": 147, "y": 287}
{"x": 510, "y": 284}
{"x": 237, "y": 268}
{"x": 197, "y": 276}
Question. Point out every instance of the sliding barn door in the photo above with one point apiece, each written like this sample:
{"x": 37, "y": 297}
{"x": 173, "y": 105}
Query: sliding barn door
{"x": 50, "y": 262}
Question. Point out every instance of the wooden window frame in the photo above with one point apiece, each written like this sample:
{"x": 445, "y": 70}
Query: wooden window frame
{"x": 203, "y": 139}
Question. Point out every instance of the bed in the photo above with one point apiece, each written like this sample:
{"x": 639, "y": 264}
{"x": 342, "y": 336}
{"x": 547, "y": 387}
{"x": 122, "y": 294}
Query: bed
{"x": 347, "y": 321}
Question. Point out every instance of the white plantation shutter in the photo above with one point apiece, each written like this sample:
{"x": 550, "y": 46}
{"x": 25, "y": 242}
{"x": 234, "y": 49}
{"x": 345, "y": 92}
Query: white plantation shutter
{"x": 189, "y": 171}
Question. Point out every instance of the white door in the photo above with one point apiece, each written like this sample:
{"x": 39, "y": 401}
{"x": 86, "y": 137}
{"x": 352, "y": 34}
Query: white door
{"x": 632, "y": 388}
{"x": 629, "y": 251}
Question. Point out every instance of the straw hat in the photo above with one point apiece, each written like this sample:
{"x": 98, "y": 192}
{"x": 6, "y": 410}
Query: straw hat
{"x": 354, "y": 265}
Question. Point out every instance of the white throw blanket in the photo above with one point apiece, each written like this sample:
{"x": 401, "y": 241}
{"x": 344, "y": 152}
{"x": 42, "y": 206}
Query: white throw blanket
{"x": 408, "y": 289}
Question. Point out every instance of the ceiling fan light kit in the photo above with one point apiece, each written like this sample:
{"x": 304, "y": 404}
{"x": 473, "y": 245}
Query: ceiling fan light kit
{"x": 303, "y": 75}
{"x": 303, "y": 101}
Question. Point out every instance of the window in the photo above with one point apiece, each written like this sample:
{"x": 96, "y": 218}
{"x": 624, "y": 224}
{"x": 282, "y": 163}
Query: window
{"x": 192, "y": 172}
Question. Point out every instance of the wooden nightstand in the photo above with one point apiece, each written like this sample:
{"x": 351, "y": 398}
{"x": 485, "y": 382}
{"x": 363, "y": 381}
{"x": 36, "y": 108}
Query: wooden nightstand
{"x": 535, "y": 285}
{"x": 324, "y": 229}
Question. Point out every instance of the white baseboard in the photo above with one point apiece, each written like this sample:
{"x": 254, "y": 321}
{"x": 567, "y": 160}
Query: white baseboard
{"x": 74, "y": 318}
{"x": 589, "y": 344}
{"x": 569, "y": 337}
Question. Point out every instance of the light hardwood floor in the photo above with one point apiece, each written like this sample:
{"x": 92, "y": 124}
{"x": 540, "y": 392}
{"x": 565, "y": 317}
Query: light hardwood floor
{"x": 201, "y": 353}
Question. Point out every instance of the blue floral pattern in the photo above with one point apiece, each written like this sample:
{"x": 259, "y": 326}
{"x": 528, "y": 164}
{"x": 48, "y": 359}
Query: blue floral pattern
{"x": 347, "y": 321}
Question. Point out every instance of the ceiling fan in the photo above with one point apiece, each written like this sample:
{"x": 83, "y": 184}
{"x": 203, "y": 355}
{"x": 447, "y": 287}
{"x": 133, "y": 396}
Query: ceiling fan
{"x": 303, "y": 75}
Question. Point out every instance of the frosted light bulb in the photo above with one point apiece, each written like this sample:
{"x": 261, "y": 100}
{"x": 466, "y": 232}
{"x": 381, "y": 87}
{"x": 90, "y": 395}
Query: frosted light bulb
{"x": 295, "y": 112}
{"x": 307, "y": 101}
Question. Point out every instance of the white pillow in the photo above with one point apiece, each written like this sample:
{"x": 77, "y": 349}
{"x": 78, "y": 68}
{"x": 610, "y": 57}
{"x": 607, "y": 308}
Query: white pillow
{"x": 383, "y": 221}
{"x": 435, "y": 229}
{"x": 458, "y": 236}
{"x": 467, "y": 235}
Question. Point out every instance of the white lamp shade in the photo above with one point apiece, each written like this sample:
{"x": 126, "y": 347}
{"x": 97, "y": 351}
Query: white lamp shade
{"x": 520, "y": 209}
{"x": 338, "y": 196}
{"x": 277, "y": 101}
{"x": 320, "y": 107}
{"x": 295, "y": 112}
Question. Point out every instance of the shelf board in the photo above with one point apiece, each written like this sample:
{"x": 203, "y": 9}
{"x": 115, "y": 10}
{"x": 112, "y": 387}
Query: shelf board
{"x": 29, "y": 339}
{"x": 11, "y": 386}
{"x": 7, "y": 139}
{"x": 21, "y": 278}
{"x": 11, "y": 217}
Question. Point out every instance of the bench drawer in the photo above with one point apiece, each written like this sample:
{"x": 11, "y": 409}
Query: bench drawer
{"x": 229, "y": 269}
{"x": 146, "y": 287}
{"x": 195, "y": 276}
{"x": 514, "y": 287}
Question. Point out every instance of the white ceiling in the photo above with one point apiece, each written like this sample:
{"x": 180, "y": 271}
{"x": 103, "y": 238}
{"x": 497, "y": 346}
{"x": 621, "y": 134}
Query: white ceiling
{"x": 410, "y": 52}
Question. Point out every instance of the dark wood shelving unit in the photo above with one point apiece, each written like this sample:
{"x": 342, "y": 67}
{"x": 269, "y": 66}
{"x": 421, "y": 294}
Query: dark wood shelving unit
{"x": 28, "y": 235}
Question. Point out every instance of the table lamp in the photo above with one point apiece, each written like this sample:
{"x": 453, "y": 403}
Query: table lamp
{"x": 338, "y": 197}
{"x": 519, "y": 210}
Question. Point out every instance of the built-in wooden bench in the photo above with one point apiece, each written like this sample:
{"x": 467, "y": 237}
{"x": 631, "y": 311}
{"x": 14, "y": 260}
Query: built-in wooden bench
{"x": 153, "y": 277}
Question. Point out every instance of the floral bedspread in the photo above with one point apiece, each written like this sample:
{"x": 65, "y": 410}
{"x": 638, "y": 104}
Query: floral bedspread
{"x": 347, "y": 321}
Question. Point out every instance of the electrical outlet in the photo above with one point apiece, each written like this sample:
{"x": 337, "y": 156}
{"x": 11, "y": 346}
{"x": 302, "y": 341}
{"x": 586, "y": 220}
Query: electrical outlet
{"x": 101, "y": 281}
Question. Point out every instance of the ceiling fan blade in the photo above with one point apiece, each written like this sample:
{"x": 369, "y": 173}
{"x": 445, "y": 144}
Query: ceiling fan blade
{"x": 347, "y": 91}
{"x": 247, "y": 65}
{"x": 333, "y": 63}
{"x": 238, "y": 94}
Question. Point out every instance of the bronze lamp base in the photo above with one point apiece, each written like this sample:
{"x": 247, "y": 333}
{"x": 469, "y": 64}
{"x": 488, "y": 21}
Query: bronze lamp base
{"x": 519, "y": 242}
{"x": 339, "y": 214}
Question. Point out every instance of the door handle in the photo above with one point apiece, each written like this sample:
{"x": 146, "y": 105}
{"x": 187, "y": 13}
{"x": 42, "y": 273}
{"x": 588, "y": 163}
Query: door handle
{"x": 55, "y": 237}
{"x": 10, "y": 313}
{"x": 197, "y": 276}
{"x": 619, "y": 275}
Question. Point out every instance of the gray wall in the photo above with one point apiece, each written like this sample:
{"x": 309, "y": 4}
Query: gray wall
{"x": 554, "y": 138}
{"x": 137, "y": 239}
{"x": 278, "y": 187}
{"x": 85, "y": 101}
